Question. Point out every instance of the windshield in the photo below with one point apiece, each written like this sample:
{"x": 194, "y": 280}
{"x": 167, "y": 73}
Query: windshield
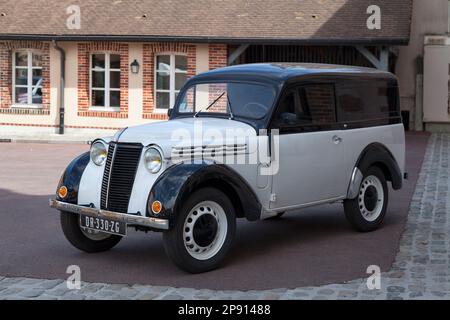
{"x": 234, "y": 99}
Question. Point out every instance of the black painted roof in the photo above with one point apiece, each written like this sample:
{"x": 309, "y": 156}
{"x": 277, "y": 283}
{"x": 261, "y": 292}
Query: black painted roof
{"x": 281, "y": 72}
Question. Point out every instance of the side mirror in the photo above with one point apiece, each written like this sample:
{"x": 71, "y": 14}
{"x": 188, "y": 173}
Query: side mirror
{"x": 169, "y": 112}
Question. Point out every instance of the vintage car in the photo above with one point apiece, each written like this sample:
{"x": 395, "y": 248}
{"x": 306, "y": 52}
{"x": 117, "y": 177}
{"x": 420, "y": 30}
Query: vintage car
{"x": 248, "y": 141}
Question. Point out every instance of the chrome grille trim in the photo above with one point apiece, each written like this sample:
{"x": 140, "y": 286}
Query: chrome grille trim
{"x": 107, "y": 176}
{"x": 119, "y": 176}
{"x": 182, "y": 152}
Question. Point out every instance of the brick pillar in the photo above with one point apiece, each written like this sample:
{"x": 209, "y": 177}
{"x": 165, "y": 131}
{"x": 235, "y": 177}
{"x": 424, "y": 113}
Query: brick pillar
{"x": 5, "y": 77}
{"x": 218, "y": 56}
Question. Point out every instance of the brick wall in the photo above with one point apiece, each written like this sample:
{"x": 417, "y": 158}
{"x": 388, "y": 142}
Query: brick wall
{"x": 150, "y": 51}
{"x": 217, "y": 59}
{"x": 215, "y": 91}
{"x": 217, "y": 56}
{"x": 6, "y": 51}
{"x": 84, "y": 52}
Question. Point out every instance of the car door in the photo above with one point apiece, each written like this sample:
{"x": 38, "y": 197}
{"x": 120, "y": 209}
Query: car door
{"x": 311, "y": 152}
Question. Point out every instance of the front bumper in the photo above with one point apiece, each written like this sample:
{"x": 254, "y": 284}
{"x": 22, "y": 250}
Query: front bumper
{"x": 149, "y": 222}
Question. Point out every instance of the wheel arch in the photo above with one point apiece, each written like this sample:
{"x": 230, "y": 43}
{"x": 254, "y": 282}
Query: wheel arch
{"x": 228, "y": 190}
{"x": 71, "y": 178}
{"x": 376, "y": 154}
{"x": 174, "y": 186}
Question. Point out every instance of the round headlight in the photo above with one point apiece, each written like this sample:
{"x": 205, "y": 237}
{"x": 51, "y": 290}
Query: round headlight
{"x": 153, "y": 160}
{"x": 98, "y": 153}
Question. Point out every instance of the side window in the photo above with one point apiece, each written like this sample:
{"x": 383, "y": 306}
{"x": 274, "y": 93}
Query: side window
{"x": 319, "y": 104}
{"x": 366, "y": 100}
{"x": 306, "y": 107}
{"x": 286, "y": 113}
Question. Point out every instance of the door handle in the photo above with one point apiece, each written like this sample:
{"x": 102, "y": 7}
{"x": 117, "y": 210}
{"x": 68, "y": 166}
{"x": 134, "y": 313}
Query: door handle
{"x": 337, "y": 139}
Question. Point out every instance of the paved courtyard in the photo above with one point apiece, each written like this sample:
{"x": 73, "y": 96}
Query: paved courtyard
{"x": 421, "y": 269}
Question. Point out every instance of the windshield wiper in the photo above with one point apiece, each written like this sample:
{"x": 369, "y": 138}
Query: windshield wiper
{"x": 207, "y": 108}
{"x": 229, "y": 108}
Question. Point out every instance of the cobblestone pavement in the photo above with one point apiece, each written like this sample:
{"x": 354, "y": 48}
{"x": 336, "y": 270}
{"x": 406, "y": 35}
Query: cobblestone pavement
{"x": 421, "y": 269}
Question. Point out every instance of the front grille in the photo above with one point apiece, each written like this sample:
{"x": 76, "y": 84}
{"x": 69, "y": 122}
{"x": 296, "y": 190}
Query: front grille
{"x": 118, "y": 179}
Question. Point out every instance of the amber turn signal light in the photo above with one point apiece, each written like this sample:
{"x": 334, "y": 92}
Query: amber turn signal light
{"x": 156, "y": 207}
{"x": 62, "y": 192}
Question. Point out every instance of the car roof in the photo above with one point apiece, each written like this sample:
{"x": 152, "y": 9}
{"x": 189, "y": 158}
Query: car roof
{"x": 282, "y": 72}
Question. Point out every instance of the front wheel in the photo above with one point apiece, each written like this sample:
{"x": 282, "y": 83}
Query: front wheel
{"x": 366, "y": 212}
{"x": 85, "y": 239}
{"x": 203, "y": 231}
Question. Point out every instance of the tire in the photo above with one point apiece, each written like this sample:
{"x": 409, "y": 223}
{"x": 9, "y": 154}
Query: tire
{"x": 203, "y": 231}
{"x": 82, "y": 240}
{"x": 366, "y": 212}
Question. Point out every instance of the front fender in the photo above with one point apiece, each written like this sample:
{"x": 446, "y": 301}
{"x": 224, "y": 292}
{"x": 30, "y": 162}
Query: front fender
{"x": 71, "y": 178}
{"x": 179, "y": 181}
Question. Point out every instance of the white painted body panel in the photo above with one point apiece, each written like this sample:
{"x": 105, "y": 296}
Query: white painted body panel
{"x": 165, "y": 135}
{"x": 168, "y": 134}
{"x": 310, "y": 169}
{"x": 91, "y": 185}
{"x": 313, "y": 169}
{"x": 356, "y": 140}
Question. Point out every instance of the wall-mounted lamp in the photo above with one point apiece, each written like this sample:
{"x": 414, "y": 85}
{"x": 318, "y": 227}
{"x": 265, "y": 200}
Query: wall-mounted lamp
{"x": 134, "y": 67}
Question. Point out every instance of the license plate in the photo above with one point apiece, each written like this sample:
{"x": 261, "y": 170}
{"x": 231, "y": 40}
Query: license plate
{"x": 104, "y": 225}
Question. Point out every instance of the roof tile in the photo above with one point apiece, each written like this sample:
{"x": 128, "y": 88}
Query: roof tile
{"x": 260, "y": 20}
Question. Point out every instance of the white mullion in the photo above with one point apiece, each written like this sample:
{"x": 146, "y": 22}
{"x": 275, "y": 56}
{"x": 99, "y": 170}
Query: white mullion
{"x": 14, "y": 77}
{"x": 107, "y": 80}
{"x": 172, "y": 81}
{"x": 30, "y": 78}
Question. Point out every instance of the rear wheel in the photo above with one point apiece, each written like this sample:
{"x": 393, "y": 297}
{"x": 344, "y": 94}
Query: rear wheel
{"x": 203, "y": 231}
{"x": 85, "y": 239}
{"x": 366, "y": 212}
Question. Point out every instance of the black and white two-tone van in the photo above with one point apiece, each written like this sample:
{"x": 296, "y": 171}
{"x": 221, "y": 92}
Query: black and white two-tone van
{"x": 248, "y": 141}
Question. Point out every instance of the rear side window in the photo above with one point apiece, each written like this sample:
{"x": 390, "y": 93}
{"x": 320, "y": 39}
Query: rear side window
{"x": 366, "y": 100}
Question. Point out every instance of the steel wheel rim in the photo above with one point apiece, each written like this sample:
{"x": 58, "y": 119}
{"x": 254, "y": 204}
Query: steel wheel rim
{"x": 211, "y": 214}
{"x": 371, "y": 198}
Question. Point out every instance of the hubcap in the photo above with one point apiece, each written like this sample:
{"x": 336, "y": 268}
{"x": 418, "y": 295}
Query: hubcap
{"x": 205, "y": 230}
{"x": 371, "y": 198}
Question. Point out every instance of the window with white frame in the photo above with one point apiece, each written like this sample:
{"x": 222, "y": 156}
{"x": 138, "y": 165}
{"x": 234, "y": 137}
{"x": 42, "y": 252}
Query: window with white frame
{"x": 171, "y": 75}
{"x": 105, "y": 80}
{"x": 27, "y": 78}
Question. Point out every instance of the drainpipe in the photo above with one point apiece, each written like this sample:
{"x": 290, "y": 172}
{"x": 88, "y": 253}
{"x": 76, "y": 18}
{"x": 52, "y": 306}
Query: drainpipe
{"x": 62, "y": 85}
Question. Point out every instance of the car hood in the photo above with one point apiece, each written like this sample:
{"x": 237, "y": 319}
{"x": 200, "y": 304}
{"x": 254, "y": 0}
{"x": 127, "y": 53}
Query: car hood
{"x": 199, "y": 131}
